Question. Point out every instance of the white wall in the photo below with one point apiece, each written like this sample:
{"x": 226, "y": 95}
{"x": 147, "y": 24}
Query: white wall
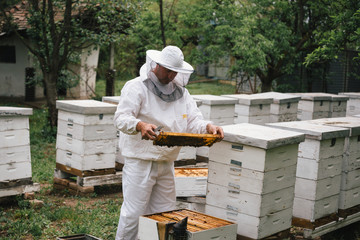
{"x": 12, "y": 75}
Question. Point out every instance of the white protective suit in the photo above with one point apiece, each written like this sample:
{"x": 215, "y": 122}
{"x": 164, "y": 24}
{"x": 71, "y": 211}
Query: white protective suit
{"x": 148, "y": 173}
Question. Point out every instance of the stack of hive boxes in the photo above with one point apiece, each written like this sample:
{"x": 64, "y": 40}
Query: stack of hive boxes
{"x": 220, "y": 110}
{"x": 251, "y": 178}
{"x": 313, "y": 106}
{"x": 338, "y": 104}
{"x": 353, "y": 104}
{"x": 252, "y": 108}
{"x": 15, "y": 158}
{"x": 349, "y": 198}
{"x": 86, "y": 135}
{"x": 318, "y": 174}
{"x": 283, "y": 108}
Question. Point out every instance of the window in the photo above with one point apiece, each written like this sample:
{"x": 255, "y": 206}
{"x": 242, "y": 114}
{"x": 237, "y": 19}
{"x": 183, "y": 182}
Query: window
{"x": 7, "y": 54}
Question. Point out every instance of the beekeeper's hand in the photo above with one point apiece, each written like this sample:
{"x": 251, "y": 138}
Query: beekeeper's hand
{"x": 147, "y": 130}
{"x": 213, "y": 129}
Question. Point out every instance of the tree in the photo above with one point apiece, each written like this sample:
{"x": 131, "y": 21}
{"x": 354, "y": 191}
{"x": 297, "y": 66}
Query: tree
{"x": 58, "y": 29}
{"x": 268, "y": 37}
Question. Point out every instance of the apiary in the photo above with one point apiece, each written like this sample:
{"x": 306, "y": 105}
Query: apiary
{"x": 86, "y": 137}
{"x": 350, "y": 176}
{"x": 313, "y": 106}
{"x": 252, "y": 108}
{"x": 15, "y": 157}
{"x": 252, "y": 176}
{"x": 353, "y": 104}
{"x": 318, "y": 175}
{"x": 284, "y": 106}
{"x": 199, "y": 225}
{"x": 190, "y": 181}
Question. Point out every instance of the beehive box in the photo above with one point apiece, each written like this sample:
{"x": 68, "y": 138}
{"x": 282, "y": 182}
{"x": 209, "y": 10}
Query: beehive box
{"x": 313, "y": 106}
{"x": 199, "y": 226}
{"x": 252, "y": 108}
{"x": 254, "y": 227}
{"x": 15, "y": 157}
{"x": 284, "y": 106}
{"x": 190, "y": 181}
{"x": 353, "y": 104}
{"x": 217, "y": 109}
{"x": 86, "y": 137}
{"x": 318, "y": 175}
{"x": 242, "y": 171}
{"x": 351, "y": 157}
{"x": 350, "y": 176}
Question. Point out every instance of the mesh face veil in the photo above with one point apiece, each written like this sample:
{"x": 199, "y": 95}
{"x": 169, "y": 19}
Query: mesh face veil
{"x": 167, "y": 92}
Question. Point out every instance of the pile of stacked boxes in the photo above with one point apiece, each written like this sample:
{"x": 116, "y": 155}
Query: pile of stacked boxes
{"x": 15, "y": 158}
{"x": 313, "y": 106}
{"x": 353, "y": 104}
{"x": 251, "y": 178}
{"x": 318, "y": 174}
{"x": 349, "y": 198}
{"x": 253, "y": 108}
{"x": 86, "y": 136}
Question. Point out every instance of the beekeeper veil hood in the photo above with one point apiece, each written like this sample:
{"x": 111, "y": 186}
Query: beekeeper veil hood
{"x": 171, "y": 57}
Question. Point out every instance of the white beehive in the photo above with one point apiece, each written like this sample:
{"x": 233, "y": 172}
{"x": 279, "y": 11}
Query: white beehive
{"x": 338, "y": 104}
{"x": 220, "y": 110}
{"x": 86, "y": 137}
{"x": 190, "y": 181}
{"x": 353, "y": 104}
{"x": 313, "y": 106}
{"x": 284, "y": 106}
{"x": 350, "y": 179}
{"x": 251, "y": 108}
{"x": 15, "y": 158}
{"x": 252, "y": 176}
{"x": 318, "y": 175}
{"x": 199, "y": 225}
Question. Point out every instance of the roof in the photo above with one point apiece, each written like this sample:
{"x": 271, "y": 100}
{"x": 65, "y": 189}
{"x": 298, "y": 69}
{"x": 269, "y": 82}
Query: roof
{"x": 19, "y": 12}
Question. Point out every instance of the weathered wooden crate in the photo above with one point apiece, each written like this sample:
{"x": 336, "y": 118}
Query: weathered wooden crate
{"x": 190, "y": 181}
{"x": 254, "y": 227}
{"x": 199, "y": 225}
{"x": 338, "y": 104}
{"x": 252, "y": 108}
{"x": 250, "y": 180}
{"x": 12, "y": 138}
{"x": 316, "y": 170}
{"x": 258, "y": 205}
{"x": 15, "y": 170}
{"x": 15, "y": 154}
{"x": 353, "y": 104}
{"x": 286, "y": 117}
{"x": 349, "y": 198}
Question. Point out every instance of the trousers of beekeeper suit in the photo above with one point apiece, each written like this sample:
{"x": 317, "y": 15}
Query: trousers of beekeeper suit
{"x": 148, "y": 172}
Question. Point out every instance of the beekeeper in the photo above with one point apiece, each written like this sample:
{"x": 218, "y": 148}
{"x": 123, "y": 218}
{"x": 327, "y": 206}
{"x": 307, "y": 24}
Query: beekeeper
{"x": 157, "y": 97}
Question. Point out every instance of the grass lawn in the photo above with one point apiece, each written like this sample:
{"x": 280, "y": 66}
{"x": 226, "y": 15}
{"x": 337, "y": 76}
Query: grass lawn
{"x": 63, "y": 214}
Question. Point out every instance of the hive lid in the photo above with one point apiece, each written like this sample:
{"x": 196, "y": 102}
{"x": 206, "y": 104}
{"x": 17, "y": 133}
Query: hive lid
{"x": 280, "y": 98}
{"x": 172, "y": 139}
{"x": 260, "y": 136}
{"x": 313, "y": 96}
{"x": 311, "y": 130}
{"x": 111, "y": 99}
{"x": 334, "y": 97}
{"x": 208, "y": 99}
{"x": 352, "y": 123}
{"x": 86, "y": 107}
{"x": 15, "y": 111}
{"x": 351, "y": 94}
{"x": 250, "y": 99}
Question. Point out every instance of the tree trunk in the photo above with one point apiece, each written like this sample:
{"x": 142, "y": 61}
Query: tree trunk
{"x": 266, "y": 85}
{"x": 51, "y": 96}
{"x": 162, "y": 23}
{"x": 110, "y": 75}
